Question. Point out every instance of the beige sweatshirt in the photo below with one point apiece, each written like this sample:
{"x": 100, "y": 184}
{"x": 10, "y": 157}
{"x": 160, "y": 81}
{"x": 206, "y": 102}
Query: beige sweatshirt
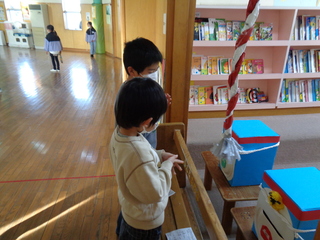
{"x": 143, "y": 182}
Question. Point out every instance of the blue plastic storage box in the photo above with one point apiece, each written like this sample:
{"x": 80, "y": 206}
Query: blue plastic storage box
{"x": 260, "y": 145}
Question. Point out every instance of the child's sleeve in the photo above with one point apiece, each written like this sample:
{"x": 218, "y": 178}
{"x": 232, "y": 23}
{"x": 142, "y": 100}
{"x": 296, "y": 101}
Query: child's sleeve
{"x": 150, "y": 184}
{"x": 95, "y": 36}
{"x": 46, "y": 45}
{"x": 87, "y": 38}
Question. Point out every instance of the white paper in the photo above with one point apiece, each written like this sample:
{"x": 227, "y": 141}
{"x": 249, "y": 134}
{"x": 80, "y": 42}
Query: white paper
{"x": 171, "y": 192}
{"x": 181, "y": 234}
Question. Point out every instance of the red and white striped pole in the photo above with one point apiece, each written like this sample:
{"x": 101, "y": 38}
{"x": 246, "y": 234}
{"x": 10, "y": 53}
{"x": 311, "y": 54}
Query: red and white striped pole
{"x": 238, "y": 57}
{"x": 228, "y": 148}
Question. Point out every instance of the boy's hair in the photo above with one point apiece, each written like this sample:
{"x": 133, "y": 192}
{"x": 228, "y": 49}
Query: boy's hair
{"x": 140, "y": 54}
{"x": 138, "y": 100}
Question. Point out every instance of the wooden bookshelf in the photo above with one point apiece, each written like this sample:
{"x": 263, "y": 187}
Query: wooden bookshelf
{"x": 274, "y": 53}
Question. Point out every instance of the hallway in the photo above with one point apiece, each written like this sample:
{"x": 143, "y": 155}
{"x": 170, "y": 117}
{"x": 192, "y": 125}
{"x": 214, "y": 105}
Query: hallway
{"x": 56, "y": 181}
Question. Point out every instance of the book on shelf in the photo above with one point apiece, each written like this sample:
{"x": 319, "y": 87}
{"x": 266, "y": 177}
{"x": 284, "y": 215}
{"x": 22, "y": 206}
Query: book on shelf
{"x": 266, "y": 31}
{"x": 220, "y": 94}
{"x": 306, "y": 27}
{"x": 212, "y": 29}
{"x": 236, "y": 29}
{"x": 299, "y": 90}
{"x": 196, "y": 31}
{"x": 204, "y": 65}
{"x": 196, "y": 65}
{"x": 224, "y": 65}
{"x": 201, "y": 95}
{"x": 303, "y": 61}
{"x": 222, "y": 30}
{"x": 249, "y": 66}
{"x": 229, "y": 30}
{"x": 209, "y": 95}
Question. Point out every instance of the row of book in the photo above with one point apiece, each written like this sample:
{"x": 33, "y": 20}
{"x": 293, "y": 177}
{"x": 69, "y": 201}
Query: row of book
{"x": 303, "y": 61}
{"x": 307, "y": 28}
{"x": 293, "y": 90}
{"x": 215, "y": 29}
{"x": 212, "y": 65}
{"x": 220, "y": 94}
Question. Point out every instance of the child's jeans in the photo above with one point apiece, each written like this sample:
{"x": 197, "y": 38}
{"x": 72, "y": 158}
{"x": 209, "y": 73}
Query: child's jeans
{"x": 93, "y": 46}
{"x": 126, "y": 232}
{"x": 152, "y": 138}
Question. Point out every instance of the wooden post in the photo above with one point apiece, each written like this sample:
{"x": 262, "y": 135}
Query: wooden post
{"x": 180, "y": 27}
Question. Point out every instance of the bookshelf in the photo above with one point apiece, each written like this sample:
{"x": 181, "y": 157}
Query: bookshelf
{"x": 274, "y": 54}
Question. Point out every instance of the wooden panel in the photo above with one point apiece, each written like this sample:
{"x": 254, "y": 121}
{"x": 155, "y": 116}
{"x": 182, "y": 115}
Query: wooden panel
{"x": 165, "y": 141}
{"x": 208, "y": 213}
{"x": 180, "y": 25}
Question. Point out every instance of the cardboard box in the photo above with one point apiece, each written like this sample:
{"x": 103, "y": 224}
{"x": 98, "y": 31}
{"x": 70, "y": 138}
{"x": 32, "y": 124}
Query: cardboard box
{"x": 260, "y": 145}
{"x": 300, "y": 192}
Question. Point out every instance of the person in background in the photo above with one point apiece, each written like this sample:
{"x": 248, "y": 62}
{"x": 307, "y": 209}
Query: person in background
{"x": 141, "y": 58}
{"x": 91, "y": 37}
{"x": 143, "y": 174}
{"x": 53, "y": 46}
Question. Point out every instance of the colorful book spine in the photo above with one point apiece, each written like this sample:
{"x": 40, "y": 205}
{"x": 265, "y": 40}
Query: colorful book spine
{"x": 196, "y": 65}
{"x": 201, "y": 95}
{"x": 204, "y": 65}
{"x": 229, "y": 30}
{"x": 236, "y": 30}
{"x": 222, "y": 30}
{"x": 212, "y": 32}
{"x": 208, "y": 95}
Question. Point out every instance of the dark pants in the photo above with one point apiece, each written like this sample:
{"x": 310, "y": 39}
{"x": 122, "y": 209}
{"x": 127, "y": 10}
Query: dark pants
{"x": 55, "y": 62}
{"x": 126, "y": 232}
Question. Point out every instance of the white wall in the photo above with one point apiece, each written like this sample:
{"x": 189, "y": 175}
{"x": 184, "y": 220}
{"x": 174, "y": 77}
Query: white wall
{"x": 232, "y": 2}
{"x": 287, "y": 3}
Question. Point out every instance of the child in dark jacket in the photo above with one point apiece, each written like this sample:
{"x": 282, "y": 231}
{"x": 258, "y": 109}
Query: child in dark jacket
{"x": 91, "y": 37}
{"x": 53, "y": 45}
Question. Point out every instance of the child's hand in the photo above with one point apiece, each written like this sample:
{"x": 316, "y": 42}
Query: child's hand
{"x": 169, "y": 99}
{"x": 166, "y": 155}
{"x": 176, "y": 163}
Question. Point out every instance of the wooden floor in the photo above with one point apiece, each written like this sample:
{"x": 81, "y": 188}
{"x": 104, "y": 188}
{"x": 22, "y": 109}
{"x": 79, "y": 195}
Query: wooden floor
{"x": 56, "y": 181}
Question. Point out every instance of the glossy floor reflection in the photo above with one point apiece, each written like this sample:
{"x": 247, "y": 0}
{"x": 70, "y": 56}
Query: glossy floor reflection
{"x": 55, "y": 176}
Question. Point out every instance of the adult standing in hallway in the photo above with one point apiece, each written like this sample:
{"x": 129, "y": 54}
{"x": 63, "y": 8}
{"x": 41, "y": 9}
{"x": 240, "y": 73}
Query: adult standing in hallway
{"x": 91, "y": 37}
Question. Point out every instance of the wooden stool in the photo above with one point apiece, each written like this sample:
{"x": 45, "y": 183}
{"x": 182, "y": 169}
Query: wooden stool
{"x": 244, "y": 218}
{"x": 230, "y": 195}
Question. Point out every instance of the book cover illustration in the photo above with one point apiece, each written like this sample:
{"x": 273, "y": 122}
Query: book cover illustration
{"x": 212, "y": 29}
{"x": 204, "y": 65}
{"x": 236, "y": 29}
{"x": 217, "y": 93}
{"x": 201, "y": 95}
{"x": 208, "y": 95}
{"x": 266, "y": 31}
{"x": 215, "y": 67}
{"x": 196, "y": 65}
{"x": 224, "y": 66}
{"x": 196, "y": 31}
{"x": 229, "y": 30}
{"x": 222, "y": 31}
{"x": 191, "y": 95}
{"x": 249, "y": 66}
{"x": 257, "y": 66}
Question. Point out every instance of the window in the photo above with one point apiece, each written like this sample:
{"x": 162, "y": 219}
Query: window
{"x": 14, "y": 12}
{"x": 72, "y": 14}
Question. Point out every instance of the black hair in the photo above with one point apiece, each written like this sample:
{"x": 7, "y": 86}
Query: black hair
{"x": 138, "y": 100}
{"x": 140, "y": 54}
{"x": 51, "y": 28}
{"x": 90, "y": 23}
